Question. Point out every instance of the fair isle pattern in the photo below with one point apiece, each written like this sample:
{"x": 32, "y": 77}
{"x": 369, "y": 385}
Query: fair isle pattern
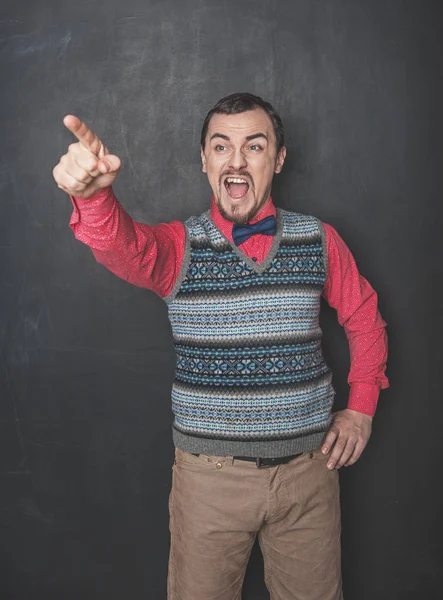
{"x": 250, "y": 370}
{"x": 249, "y": 366}
{"x": 275, "y": 412}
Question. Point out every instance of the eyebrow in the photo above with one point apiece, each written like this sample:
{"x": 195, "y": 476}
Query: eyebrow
{"x": 248, "y": 138}
{"x": 257, "y": 135}
{"x": 220, "y": 135}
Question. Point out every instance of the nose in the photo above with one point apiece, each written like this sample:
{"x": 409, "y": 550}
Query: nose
{"x": 237, "y": 160}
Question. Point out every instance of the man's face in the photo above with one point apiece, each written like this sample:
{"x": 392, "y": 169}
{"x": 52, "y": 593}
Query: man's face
{"x": 240, "y": 159}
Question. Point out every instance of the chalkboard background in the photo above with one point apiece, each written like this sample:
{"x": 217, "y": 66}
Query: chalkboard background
{"x": 87, "y": 360}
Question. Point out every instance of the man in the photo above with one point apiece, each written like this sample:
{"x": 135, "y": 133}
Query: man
{"x": 257, "y": 450}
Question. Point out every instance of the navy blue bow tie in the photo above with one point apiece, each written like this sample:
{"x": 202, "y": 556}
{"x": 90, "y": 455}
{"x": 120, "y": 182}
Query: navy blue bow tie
{"x": 241, "y": 233}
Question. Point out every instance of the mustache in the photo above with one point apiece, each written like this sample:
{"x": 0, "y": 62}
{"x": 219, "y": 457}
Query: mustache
{"x": 244, "y": 174}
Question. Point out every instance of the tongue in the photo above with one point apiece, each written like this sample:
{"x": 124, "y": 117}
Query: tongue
{"x": 237, "y": 190}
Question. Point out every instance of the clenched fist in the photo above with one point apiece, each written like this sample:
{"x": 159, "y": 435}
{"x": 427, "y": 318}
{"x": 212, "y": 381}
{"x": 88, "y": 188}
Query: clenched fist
{"x": 87, "y": 166}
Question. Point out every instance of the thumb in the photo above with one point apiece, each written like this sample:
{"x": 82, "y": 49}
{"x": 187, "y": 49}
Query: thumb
{"x": 109, "y": 164}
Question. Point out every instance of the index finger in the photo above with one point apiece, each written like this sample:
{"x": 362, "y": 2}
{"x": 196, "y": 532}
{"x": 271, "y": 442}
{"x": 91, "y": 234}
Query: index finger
{"x": 331, "y": 436}
{"x": 84, "y": 135}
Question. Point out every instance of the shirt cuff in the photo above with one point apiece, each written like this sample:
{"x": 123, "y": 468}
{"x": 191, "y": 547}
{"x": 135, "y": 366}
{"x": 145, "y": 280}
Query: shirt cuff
{"x": 92, "y": 209}
{"x": 363, "y": 398}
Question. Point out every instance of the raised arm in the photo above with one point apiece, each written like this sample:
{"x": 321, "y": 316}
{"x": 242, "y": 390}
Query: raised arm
{"x": 144, "y": 255}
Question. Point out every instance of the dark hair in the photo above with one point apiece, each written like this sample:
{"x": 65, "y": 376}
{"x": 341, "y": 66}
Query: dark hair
{"x": 242, "y": 102}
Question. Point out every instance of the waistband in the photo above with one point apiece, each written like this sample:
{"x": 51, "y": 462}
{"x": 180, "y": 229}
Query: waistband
{"x": 265, "y": 462}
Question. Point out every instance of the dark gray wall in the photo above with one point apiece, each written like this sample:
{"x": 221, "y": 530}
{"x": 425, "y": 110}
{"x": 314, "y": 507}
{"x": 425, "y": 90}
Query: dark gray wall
{"x": 86, "y": 359}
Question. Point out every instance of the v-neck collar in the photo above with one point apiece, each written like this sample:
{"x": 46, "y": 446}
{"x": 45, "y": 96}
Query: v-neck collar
{"x": 257, "y": 267}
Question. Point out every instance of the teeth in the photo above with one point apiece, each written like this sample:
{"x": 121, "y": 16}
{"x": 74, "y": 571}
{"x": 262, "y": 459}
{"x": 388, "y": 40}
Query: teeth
{"x": 235, "y": 180}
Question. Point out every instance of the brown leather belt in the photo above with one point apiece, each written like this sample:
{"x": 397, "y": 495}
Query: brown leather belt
{"x": 265, "y": 462}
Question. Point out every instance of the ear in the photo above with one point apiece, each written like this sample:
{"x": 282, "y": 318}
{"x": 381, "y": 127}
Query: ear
{"x": 202, "y": 154}
{"x": 280, "y": 160}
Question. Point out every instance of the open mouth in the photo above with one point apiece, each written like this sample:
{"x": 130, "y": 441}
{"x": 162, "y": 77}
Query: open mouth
{"x": 237, "y": 187}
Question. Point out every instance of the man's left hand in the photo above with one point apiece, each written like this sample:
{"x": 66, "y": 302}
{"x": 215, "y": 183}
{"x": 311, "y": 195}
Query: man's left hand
{"x": 347, "y": 436}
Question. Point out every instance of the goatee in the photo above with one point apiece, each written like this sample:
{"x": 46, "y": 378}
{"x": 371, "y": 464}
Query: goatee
{"x": 233, "y": 218}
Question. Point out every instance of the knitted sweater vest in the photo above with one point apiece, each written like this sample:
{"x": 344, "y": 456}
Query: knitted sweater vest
{"x": 250, "y": 377}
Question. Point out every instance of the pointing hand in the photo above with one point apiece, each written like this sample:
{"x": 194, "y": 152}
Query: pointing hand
{"x": 87, "y": 166}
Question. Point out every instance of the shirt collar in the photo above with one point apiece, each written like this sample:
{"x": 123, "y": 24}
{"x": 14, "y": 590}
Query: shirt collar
{"x": 225, "y": 226}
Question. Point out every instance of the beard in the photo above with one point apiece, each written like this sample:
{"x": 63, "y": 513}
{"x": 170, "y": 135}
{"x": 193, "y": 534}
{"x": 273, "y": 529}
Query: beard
{"x": 234, "y": 218}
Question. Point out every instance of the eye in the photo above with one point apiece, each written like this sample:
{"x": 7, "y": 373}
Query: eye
{"x": 220, "y": 148}
{"x": 256, "y": 147}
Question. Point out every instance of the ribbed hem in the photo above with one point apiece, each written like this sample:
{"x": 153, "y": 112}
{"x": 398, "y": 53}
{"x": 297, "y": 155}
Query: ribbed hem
{"x": 260, "y": 449}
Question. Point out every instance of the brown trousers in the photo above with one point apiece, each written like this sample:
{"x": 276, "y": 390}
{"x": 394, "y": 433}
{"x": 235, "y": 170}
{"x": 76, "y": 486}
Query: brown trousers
{"x": 217, "y": 507}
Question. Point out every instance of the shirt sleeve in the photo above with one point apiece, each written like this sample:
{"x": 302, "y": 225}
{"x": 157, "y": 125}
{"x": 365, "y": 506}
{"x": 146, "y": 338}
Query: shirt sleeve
{"x": 149, "y": 256}
{"x": 356, "y": 304}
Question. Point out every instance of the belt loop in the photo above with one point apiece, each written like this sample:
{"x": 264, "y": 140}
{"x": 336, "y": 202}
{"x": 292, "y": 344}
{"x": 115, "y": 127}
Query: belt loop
{"x": 258, "y": 463}
{"x": 229, "y": 461}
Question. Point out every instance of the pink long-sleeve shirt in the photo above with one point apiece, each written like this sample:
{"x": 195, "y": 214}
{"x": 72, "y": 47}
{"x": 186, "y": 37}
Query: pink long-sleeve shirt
{"x": 150, "y": 256}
